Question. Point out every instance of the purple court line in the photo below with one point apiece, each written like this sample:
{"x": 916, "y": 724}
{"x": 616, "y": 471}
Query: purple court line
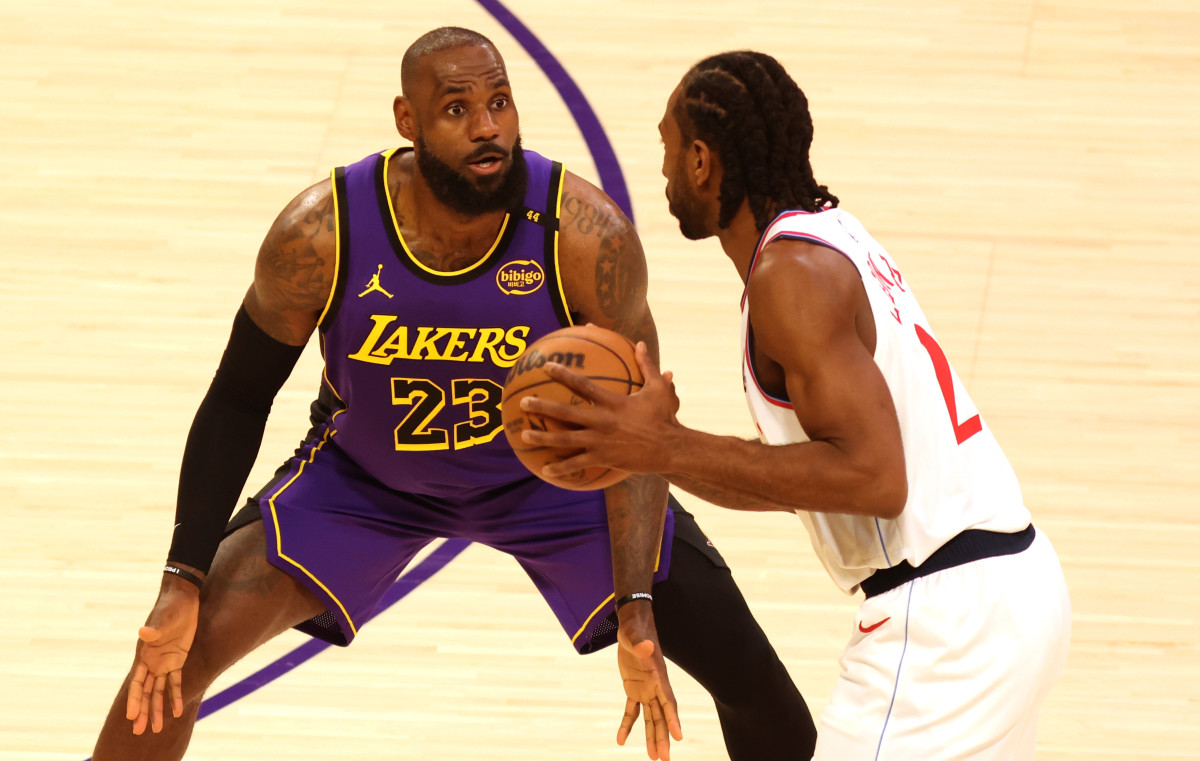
{"x": 436, "y": 561}
{"x": 612, "y": 179}
{"x": 605, "y": 159}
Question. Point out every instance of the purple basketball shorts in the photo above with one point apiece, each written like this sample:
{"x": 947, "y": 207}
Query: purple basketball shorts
{"x": 347, "y": 538}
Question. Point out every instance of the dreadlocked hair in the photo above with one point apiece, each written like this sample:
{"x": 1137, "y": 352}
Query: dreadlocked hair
{"x": 747, "y": 108}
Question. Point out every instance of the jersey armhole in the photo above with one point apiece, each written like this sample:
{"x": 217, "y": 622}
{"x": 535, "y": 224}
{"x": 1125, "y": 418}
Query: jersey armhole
{"x": 880, "y": 334}
{"x": 558, "y": 296}
{"x": 341, "y": 221}
{"x": 752, "y": 369}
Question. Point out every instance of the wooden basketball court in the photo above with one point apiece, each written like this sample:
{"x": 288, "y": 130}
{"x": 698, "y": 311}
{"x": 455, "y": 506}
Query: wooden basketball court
{"x": 1032, "y": 165}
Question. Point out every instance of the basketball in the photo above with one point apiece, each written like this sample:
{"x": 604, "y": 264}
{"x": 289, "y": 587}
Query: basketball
{"x": 606, "y": 357}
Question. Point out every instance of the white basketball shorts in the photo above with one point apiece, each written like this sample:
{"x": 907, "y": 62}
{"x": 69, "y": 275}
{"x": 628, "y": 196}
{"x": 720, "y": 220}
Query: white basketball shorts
{"x": 952, "y": 666}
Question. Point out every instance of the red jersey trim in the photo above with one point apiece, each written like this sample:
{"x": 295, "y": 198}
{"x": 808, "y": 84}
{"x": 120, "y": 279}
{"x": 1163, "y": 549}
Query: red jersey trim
{"x": 754, "y": 377}
{"x": 763, "y": 242}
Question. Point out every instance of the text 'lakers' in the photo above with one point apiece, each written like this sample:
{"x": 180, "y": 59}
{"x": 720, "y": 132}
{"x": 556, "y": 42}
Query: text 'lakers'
{"x": 383, "y": 344}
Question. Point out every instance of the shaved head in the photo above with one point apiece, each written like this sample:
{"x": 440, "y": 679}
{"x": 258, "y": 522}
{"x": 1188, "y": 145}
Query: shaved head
{"x": 457, "y": 110}
{"x": 437, "y": 41}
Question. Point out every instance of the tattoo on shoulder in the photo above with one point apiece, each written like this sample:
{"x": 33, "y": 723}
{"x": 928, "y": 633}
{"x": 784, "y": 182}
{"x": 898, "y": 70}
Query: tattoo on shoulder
{"x": 617, "y": 274}
{"x": 296, "y": 271}
{"x": 585, "y": 217}
{"x": 614, "y": 280}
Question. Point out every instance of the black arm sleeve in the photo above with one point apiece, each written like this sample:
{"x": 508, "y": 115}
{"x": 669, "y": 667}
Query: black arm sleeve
{"x": 225, "y": 436}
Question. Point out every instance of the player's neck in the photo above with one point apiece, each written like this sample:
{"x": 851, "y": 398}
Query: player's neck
{"x": 740, "y": 239}
{"x": 439, "y": 229}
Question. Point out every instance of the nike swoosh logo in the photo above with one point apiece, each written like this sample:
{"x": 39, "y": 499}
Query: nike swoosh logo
{"x": 872, "y": 627}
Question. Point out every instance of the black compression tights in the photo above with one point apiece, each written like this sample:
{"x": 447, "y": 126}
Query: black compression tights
{"x": 707, "y": 630}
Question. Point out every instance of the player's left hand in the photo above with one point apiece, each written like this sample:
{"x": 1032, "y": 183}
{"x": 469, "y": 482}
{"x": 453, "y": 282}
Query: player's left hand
{"x": 617, "y": 430}
{"x": 644, "y": 676}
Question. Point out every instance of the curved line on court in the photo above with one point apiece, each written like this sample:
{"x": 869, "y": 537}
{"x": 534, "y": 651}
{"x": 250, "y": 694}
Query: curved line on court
{"x": 612, "y": 180}
{"x": 434, "y": 562}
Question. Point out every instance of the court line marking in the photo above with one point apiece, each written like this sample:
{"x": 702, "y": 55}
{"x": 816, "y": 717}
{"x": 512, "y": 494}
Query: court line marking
{"x": 434, "y": 562}
{"x": 612, "y": 179}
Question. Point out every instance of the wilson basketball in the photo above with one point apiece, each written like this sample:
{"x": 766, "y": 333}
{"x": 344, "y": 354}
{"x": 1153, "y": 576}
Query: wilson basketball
{"x": 607, "y": 358}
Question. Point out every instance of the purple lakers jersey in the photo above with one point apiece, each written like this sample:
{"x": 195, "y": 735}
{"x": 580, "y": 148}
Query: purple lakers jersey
{"x": 417, "y": 357}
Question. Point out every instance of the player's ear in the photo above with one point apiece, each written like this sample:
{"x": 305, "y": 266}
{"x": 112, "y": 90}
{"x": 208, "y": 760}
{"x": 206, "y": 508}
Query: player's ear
{"x": 700, "y": 163}
{"x": 405, "y": 124}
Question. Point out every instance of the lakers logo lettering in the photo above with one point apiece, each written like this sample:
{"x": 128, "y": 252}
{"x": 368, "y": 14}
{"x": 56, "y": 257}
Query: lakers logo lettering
{"x": 385, "y": 343}
{"x": 521, "y": 277}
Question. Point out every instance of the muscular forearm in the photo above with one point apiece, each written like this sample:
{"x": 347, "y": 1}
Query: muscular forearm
{"x": 749, "y": 475}
{"x": 636, "y": 510}
{"x": 722, "y": 496}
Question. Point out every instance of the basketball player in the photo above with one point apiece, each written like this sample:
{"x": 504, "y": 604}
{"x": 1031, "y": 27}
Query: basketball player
{"x": 427, "y": 271}
{"x": 866, "y": 433}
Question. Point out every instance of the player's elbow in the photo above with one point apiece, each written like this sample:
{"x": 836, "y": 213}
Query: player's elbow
{"x": 890, "y": 490}
{"x": 891, "y": 499}
{"x": 879, "y": 489}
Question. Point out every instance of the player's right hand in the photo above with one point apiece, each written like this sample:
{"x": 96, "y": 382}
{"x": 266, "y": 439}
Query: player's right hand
{"x": 163, "y": 645}
{"x": 644, "y": 677}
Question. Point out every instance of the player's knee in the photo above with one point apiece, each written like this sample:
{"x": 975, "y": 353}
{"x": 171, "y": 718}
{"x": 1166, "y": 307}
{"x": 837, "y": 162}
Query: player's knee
{"x": 199, "y": 672}
{"x": 748, "y": 672}
{"x": 753, "y": 674}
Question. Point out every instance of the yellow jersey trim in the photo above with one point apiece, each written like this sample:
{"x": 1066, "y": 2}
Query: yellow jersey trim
{"x": 599, "y": 608}
{"x": 337, "y": 246}
{"x": 325, "y": 375}
{"x": 607, "y": 600}
{"x": 387, "y": 158}
{"x": 562, "y": 295}
{"x": 279, "y": 534}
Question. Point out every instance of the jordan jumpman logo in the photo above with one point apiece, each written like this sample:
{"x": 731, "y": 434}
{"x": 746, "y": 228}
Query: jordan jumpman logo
{"x": 373, "y": 284}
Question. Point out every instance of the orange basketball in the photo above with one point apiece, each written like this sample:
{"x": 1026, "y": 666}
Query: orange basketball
{"x": 605, "y": 357}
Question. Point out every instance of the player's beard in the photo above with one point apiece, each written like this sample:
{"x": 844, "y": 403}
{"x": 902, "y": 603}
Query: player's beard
{"x": 480, "y": 195}
{"x": 687, "y": 211}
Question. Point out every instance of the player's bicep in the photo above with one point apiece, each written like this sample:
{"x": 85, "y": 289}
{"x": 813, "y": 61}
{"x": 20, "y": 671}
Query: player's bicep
{"x": 603, "y": 265}
{"x": 807, "y": 303}
{"x": 839, "y": 394}
{"x": 294, "y": 271}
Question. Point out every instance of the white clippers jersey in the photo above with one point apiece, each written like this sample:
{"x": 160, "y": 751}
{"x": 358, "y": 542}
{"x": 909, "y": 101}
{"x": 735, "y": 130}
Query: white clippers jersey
{"x": 958, "y": 478}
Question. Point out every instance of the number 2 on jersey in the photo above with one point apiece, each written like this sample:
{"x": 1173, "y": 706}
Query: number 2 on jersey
{"x": 941, "y": 367}
{"x": 427, "y": 399}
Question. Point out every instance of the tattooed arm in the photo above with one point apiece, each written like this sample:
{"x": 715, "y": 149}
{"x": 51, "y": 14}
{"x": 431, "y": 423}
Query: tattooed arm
{"x": 291, "y": 285}
{"x": 279, "y": 312}
{"x": 604, "y": 278}
{"x": 294, "y": 271}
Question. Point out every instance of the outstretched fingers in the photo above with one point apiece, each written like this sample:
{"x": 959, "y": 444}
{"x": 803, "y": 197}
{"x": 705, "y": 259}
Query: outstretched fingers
{"x": 649, "y": 692}
{"x": 658, "y": 744}
{"x": 632, "y": 710}
{"x": 142, "y": 717}
{"x": 156, "y": 703}
{"x": 133, "y": 698}
{"x": 175, "y": 680}
{"x": 145, "y": 702}
{"x": 666, "y": 697}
